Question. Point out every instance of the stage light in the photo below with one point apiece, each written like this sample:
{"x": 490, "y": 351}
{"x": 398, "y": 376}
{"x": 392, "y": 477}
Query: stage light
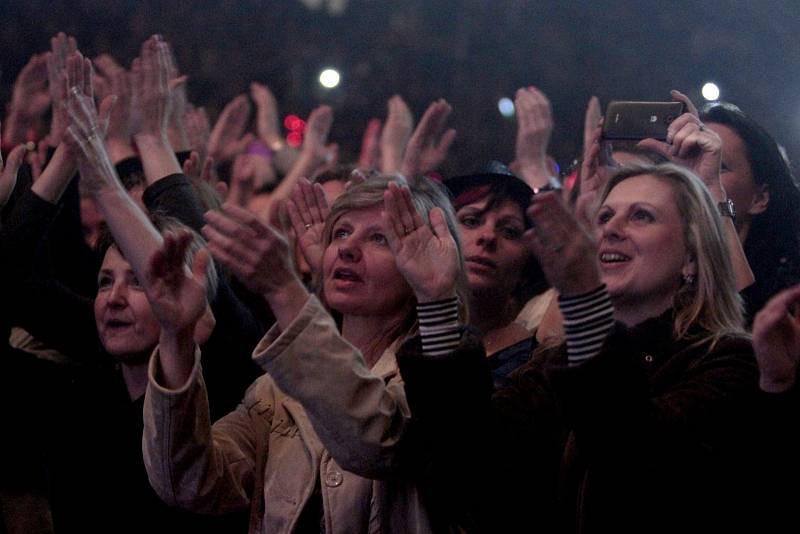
{"x": 710, "y": 91}
{"x": 506, "y": 107}
{"x": 329, "y": 78}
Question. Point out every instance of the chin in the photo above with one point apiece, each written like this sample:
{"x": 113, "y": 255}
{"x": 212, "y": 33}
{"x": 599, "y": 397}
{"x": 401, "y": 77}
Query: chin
{"x": 128, "y": 353}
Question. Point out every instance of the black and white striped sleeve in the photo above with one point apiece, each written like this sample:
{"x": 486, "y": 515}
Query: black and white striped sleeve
{"x": 439, "y": 326}
{"x": 588, "y": 319}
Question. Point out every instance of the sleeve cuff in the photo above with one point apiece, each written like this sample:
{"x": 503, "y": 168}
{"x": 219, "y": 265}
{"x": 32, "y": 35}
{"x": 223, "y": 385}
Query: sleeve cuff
{"x": 152, "y": 372}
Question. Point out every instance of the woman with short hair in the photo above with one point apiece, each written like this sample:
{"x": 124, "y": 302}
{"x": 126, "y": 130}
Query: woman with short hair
{"x": 321, "y": 441}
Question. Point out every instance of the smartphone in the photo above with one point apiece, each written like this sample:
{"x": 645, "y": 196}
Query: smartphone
{"x": 640, "y": 120}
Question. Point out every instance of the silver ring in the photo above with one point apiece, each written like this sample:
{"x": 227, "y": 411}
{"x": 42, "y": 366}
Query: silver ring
{"x": 308, "y": 225}
{"x": 702, "y": 127}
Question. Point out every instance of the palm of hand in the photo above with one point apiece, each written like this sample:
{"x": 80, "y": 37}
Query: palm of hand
{"x": 428, "y": 262}
{"x": 310, "y": 242}
{"x": 177, "y": 299}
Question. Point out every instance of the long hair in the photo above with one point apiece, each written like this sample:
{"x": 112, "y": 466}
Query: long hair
{"x": 425, "y": 195}
{"x": 709, "y": 307}
{"x": 775, "y": 233}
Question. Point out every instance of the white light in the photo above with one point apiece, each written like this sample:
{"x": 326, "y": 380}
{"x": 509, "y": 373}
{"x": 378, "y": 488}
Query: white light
{"x": 506, "y": 107}
{"x": 710, "y": 91}
{"x": 329, "y": 78}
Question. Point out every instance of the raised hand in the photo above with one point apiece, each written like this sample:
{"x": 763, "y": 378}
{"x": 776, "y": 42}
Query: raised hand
{"x": 430, "y": 142}
{"x": 177, "y": 296}
{"x": 565, "y": 250}
{"x": 395, "y": 135}
{"x": 534, "y": 127}
{"x": 369, "y": 157}
{"x": 427, "y": 256}
{"x": 307, "y": 208}
{"x": 198, "y": 130}
{"x": 691, "y": 145}
{"x": 86, "y": 126}
{"x": 267, "y": 117}
{"x": 315, "y": 140}
{"x": 179, "y": 101}
{"x": 254, "y": 252}
{"x": 61, "y": 47}
{"x": 591, "y": 119}
{"x": 117, "y": 82}
{"x": 153, "y": 87}
{"x": 8, "y": 173}
{"x": 242, "y": 181}
{"x": 227, "y": 138}
{"x": 30, "y": 99}
{"x": 596, "y": 169}
{"x": 776, "y": 340}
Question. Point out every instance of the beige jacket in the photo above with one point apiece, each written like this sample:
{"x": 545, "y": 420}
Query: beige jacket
{"x": 268, "y": 454}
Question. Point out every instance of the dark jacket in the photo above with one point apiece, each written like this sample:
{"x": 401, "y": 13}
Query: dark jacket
{"x": 644, "y": 437}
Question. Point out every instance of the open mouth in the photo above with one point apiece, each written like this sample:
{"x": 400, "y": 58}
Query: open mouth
{"x": 116, "y": 324}
{"x": 613, "y": 257}
{"x": 347, "y": 275}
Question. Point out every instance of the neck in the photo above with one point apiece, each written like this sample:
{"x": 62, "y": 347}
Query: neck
{"x": 135, "y": 376}
{"x": 742, "y": 229}
{"x": 631, "y": 314}
{"x": 488, "y": 313}
{"x": 371, "y": 335}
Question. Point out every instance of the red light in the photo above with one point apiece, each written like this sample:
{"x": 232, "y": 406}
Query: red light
{"x": 290, "y": 120}
{"x": 294, "y": 139}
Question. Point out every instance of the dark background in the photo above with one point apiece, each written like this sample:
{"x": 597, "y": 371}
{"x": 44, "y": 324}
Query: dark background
{"x": 471, "y": 52}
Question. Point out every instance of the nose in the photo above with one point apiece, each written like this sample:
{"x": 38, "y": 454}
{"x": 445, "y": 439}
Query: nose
{"x": 349, "y": 251}
{"x": 613, "y": 229}
{"x": 487, "y": 237}
{"x": 118, "y": 296}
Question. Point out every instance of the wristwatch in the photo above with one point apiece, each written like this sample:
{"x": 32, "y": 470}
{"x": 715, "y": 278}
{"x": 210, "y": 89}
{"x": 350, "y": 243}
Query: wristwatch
{"x": 726, "y": 209}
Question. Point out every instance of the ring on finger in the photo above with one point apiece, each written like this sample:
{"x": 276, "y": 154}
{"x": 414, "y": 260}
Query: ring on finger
{"x": 308, "y": 225}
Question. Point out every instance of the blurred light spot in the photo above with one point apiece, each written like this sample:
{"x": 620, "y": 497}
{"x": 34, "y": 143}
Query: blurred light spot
{"x": 290, "y": 121}
{"x": 329, "y": 78}
{"x": 710, "y": 91}
{"x": 506, "y": 107}
{"x": 294, "y": 139}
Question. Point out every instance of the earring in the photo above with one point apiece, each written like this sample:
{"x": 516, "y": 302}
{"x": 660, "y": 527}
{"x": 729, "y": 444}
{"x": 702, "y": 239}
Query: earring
{"x": 688, "y": 279}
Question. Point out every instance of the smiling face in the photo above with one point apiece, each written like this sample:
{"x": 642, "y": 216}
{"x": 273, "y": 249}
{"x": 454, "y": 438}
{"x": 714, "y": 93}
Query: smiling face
{"x": 494, "y": 254}
{"x": 360, "y": 276}
{"x": 125, "y": 322}
{"x": 642, "y": 249}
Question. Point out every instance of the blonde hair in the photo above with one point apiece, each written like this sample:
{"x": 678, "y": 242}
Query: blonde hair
{"x": 711, "y": 302}
{"x": 425, "y": 195}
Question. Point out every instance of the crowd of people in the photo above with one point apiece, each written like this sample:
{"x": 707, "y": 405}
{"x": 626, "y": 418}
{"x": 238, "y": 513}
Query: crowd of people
{"x": 206, "y": 329}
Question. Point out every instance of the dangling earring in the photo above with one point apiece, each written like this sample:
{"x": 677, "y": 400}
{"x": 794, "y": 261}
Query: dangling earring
{"x": 688, "y": 279}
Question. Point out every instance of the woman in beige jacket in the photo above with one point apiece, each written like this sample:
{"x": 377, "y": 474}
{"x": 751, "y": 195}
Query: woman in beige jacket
{"x": 318, "y": 441}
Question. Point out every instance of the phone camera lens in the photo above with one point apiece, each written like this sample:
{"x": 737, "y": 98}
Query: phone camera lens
{"x": 669, "y": 119}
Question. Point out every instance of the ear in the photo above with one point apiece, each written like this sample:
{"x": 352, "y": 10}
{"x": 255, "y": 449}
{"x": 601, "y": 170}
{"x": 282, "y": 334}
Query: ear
{"x": 760, "y": 200}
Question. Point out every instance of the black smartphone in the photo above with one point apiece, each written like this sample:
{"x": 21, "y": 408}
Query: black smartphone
{"x": 640, "y": 120}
